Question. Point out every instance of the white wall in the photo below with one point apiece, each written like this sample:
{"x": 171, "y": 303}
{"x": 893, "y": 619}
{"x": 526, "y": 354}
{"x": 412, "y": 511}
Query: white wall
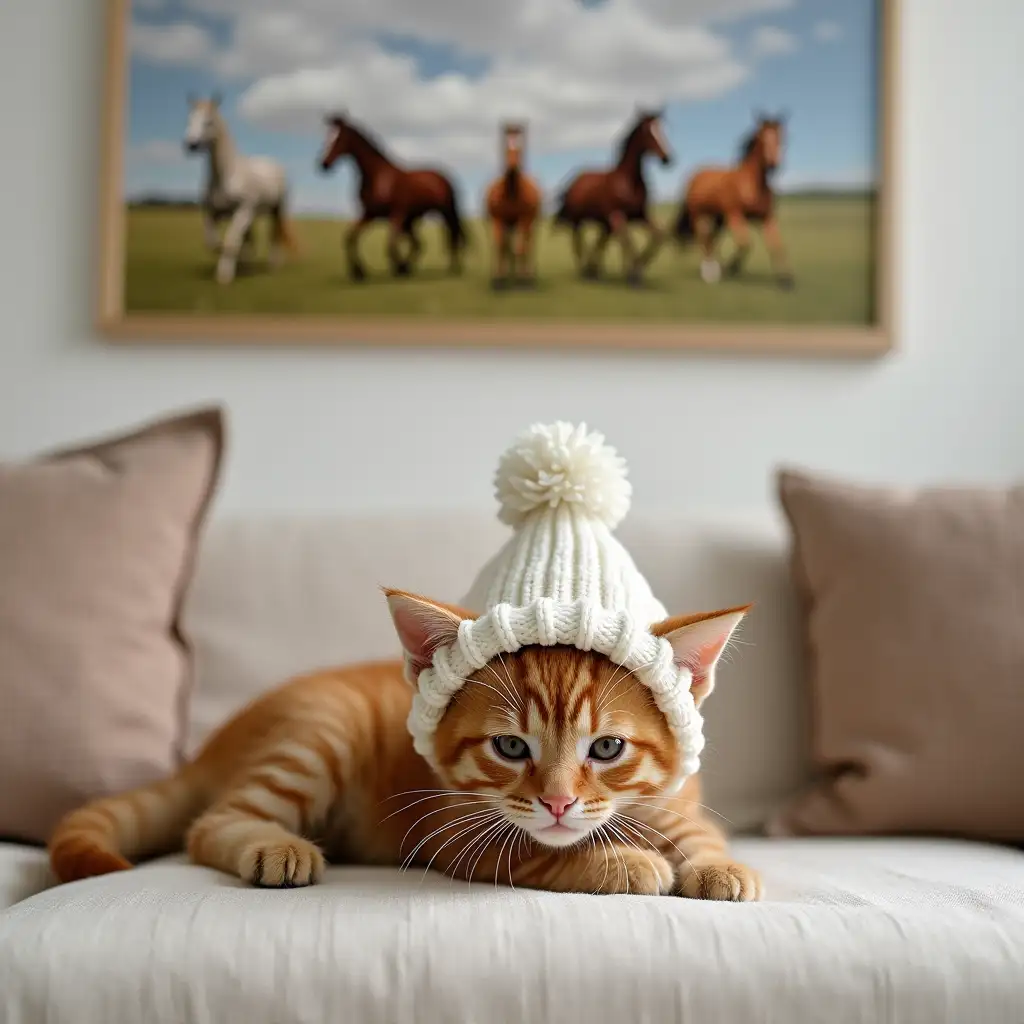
{"x": 329, "y": 429}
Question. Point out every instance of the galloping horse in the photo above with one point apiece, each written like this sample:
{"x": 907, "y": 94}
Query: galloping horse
{"x": 513, "y": 204}
{"x": 616, "y": 198}
{"x": 392, "y": 193}
{"x": 717, "y": 196}
{"x": 238, "y": 189}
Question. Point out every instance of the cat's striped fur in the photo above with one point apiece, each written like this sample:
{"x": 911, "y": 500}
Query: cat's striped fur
{"x": 324, "y": 767}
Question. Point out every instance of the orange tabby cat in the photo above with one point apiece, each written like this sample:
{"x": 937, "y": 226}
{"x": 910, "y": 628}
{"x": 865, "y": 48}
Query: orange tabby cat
{"x": 551, "y": 761}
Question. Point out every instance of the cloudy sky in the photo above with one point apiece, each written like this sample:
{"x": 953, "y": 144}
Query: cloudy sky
{"x": 434, "y": 79}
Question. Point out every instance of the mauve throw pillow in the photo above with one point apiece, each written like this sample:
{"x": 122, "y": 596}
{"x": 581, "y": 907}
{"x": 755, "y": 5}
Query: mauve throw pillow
{"x": 96, "y": 549}
{"x": 914, "y": 605}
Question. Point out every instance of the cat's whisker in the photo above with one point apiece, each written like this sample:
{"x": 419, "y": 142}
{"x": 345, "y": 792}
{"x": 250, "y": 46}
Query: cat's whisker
{"x": 519, "y": 856}
{"x": 457, "y": 822}
{"x": 480, "y": 842}
{"x": 504, "y": 842}
{"x": 604, "y": 846}
{"x": 462, "y": 819}
{"x": 704, "y": 807}
{"x": 631, "y": 823}
{"x": 644, "y": 824}
{"x": 465, "y": 851}
{"x": 439, "y": 796}
{"x": 620, "y": 673}
{"x": 503, "y": 697}
{"x": 678, "y": 814}
{"x": 518, "y": 698}
{"x": 488, "y": 839}
{"x": 509, "y": 688}
{"x": 411, "y": 792}
{"x": 616, "y": 831}
{"x": 643, "y": 853}
{"x": 513, "y": 851}
{"x": 619, "y": 823}
{"x": 486, "y": 824}
{"x": 441, "y": 810}
{"x": 623, "y": 680}
{"x": 451, "y": 839}
{"x": 643, "y": 698}
{"x": 622, "y": 860}
{"x": 477, "y": 847}
{"x": 646, "y": 702}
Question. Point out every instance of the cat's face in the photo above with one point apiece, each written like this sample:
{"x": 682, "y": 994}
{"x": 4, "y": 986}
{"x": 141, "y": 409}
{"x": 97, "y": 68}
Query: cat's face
{"x": 556, "y": 737}
{"x": 559, "y": 737}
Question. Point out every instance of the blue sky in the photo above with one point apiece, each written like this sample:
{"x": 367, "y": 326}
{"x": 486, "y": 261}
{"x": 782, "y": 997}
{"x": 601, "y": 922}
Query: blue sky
{"x": 415, "y": 80}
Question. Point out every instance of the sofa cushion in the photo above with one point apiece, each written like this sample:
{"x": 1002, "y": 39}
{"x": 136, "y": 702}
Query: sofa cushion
{"x": 96, "y": 548}
{"x": 276, "y": 597}
{"x": 915, "y": 640}
{"x": 918, "y": 932}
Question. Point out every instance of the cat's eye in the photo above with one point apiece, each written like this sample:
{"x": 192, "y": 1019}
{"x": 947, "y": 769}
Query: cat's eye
{"x": 512, "y": 748}
{"x": 607, "y": 748}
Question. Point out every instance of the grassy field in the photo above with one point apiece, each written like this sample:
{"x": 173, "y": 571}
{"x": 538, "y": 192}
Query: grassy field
{"x": 829, "y": 241}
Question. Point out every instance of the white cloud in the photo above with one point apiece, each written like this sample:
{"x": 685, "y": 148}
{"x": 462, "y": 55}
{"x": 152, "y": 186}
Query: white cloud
{"x": 770, "y": 41}
{"x": 574, "y": 74}
{"x": 486, "y": 26}
{"x": 266, "y": 42}
{"x": 183, "y": 44}
{"x": 157, "y": 152}
{"x": 828, "y": 31}
{"x": 451, "y": 118}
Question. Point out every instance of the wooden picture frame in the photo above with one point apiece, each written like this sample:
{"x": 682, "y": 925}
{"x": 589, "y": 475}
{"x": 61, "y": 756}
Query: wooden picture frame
{"x": 121, "y": 325}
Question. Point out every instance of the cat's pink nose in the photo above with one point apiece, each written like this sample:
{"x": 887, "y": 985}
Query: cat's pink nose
{"x": 558, "y": 805}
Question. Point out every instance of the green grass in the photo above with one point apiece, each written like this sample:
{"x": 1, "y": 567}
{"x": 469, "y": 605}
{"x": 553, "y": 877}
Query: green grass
{"x": 829, "y": 242}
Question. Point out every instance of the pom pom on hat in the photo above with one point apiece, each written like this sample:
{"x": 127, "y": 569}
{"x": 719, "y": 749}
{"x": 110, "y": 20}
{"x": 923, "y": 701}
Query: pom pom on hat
{"x": 549, "y": 465}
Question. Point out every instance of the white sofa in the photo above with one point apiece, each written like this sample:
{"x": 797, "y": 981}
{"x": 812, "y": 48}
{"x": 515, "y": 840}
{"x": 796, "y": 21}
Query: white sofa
{"x": 852, "y": 930}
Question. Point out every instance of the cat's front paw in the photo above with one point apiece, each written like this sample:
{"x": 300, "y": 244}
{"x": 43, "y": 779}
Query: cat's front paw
{"x": 640, "y": 872}
{"x": 282, "y": 865}
{"x": 726, "y": 880}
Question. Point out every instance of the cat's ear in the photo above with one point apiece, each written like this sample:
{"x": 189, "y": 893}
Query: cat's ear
{"x": 423, "y": 626}
{"x": 698, "y": 641}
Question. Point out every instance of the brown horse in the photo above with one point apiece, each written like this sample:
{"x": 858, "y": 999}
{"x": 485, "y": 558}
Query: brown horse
{"x": 513, "y": 205}
{"x": 392, "y": 193}
{"x": 734, "y": 196}
{"x": 616, "y": 198}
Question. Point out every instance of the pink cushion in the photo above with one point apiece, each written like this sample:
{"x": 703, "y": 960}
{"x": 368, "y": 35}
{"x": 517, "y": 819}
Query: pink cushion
{"x": 96, "y": 549}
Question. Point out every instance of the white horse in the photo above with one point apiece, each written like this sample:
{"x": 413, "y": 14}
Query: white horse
{"x": 238, "y": 189}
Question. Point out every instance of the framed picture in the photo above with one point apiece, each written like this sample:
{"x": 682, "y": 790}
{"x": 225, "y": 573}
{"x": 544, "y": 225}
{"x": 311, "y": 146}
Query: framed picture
{"x": 629, "y": 174}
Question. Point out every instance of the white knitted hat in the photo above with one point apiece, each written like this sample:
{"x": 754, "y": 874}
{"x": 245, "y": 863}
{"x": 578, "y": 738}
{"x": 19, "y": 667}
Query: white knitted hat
{"x": 563, "y": 578}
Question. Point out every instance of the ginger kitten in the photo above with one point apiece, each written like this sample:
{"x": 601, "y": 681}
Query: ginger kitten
{"x": 551, "y": 770}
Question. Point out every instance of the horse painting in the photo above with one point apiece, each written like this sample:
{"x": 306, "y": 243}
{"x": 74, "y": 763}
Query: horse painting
{"x": 513, "y": 206}
{"x": 389, "y": 192}
{"x": 238, "y": 189}
{"x": 734, "y": 196}
{"x": 616, "y": 198}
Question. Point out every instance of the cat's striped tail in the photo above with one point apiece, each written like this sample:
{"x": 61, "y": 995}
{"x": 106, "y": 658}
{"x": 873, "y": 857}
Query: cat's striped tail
{"x": 109, "y": 834}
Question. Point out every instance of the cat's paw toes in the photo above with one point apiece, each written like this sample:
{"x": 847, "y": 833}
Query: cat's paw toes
{"x": 282, "y": 865}
{"x": 728, "y": 881}
{"x": 644, "y": 873}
